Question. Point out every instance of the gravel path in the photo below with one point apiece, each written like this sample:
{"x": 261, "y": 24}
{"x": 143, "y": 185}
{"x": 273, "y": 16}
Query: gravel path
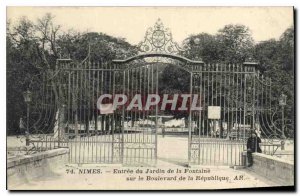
{"x": 171, "y": 172}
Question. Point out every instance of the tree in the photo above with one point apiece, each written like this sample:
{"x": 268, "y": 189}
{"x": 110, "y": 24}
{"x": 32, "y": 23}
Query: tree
{"x": 278, "y": 59}
{"x": 232, "y": 44}
{"x": 267, "y": 52}
{"x": 286, "y": 55}
{"x": 32, "y": 51}
{"x": 102, "y": 47}
{"x": 202, "y": 46}
{"x": 236, "y": 43}
{"x": 22, "y": 58}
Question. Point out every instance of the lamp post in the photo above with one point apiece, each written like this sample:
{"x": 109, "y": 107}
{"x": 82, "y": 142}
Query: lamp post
{"x": 282, "y": 103}
{"x": 27, "y": 98}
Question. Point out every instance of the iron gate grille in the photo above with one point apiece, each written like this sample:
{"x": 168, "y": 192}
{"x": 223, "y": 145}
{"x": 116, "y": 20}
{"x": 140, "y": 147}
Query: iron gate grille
{"x": 92, "y": 137}
{"x": 240, "y": 91}
{"x": 66, "y": 102}
{"x": 242, "y": 97}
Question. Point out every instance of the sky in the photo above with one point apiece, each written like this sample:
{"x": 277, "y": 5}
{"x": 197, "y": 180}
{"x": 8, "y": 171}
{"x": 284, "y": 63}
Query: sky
{"x": 131, "y": 23}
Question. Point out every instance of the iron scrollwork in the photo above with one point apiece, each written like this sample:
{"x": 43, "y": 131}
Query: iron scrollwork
{"x": 159, "y": 39}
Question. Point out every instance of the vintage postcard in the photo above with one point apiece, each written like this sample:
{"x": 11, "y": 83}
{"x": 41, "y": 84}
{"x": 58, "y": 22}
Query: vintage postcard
{"x": 150, "y": 98}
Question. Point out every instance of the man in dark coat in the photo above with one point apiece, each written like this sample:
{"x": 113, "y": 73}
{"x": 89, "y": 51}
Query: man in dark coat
{"x": 253, "y": 143}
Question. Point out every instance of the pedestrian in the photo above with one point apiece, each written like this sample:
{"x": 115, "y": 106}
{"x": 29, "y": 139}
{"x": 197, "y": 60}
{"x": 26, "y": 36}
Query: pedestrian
{"x": 22, "y": 127}
{"x": 163, "y": 131}
{"x": 253, "y": 145}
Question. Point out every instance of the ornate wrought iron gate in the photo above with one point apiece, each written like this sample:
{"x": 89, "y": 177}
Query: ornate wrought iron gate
{"x": 234, "y": 100}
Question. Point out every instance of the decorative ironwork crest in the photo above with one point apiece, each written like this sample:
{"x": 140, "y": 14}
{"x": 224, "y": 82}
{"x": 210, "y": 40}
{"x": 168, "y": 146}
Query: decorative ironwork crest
{"x": 159, "y": 39}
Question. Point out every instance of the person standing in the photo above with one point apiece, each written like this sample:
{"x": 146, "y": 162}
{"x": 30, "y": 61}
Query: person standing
{"x": 163, "y": 131}
{"x": 253, "y": 145}
{"x": 22, "y": 127}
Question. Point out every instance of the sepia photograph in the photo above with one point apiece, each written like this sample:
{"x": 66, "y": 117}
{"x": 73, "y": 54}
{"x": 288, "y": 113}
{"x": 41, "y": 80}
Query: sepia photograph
{"x": 150, "y": 98}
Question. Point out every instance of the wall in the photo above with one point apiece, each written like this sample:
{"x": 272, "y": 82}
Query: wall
{"x": 274, "y": 168}
{"x": 23, "y": 169}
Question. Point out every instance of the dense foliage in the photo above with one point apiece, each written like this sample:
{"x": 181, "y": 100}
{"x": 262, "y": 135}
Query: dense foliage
{"x": 33, "y": 48}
